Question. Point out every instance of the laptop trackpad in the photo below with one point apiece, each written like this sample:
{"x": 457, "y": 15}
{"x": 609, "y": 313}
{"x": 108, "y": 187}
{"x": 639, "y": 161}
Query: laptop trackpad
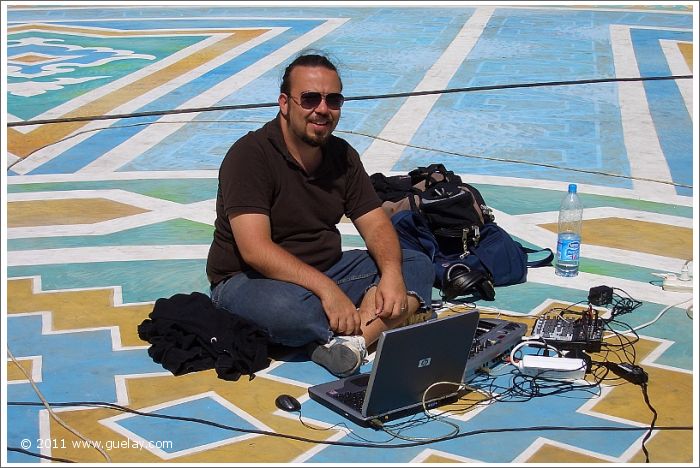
{"x": 356, "y": 383}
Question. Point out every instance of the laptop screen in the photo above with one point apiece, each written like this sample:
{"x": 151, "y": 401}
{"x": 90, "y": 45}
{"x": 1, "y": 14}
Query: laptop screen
{"x": 411, "y": 359}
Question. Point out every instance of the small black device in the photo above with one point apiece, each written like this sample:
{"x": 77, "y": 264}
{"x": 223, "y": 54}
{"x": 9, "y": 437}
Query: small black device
{"x": 630, "y": 372}
{"x": 287, "y": 403}
{"x": 460, "y": 280}
{"x": 600, "y": 295}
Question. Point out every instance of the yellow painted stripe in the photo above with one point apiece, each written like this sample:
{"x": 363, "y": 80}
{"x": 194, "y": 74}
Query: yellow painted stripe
{"x": 434, "y": 458}
{"x": 547, "y": 453}
{"x": 670, "y": 392}
{"x": 114, "y": 32}
{"x": 66, "y": 212}
{"x": 687, "y": 52}
{"x": 79, "y": 309}
{"x": 641, "y": 236}
{"x": 14, "y": 373}
{"x": 22, "y": 145}
{"x": 29, "y": 58}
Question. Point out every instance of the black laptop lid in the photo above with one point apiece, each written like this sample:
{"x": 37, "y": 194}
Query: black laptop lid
{"x": 412, "y": 358}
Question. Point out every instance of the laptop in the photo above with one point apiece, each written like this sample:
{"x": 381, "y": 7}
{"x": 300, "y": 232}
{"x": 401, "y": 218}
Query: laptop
{"x": 407, "y": 361}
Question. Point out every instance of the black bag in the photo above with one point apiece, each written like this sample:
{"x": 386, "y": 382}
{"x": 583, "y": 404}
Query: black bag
{"x": 454, "y": 210}
{"x": 434, "y": 212}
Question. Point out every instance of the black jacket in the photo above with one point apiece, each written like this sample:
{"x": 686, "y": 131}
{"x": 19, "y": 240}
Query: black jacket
{"x": 188, "y": 333}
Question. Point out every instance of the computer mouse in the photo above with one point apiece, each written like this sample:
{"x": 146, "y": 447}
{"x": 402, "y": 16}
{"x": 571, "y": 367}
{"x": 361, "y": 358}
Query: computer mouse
{"x": 287, "y": 403}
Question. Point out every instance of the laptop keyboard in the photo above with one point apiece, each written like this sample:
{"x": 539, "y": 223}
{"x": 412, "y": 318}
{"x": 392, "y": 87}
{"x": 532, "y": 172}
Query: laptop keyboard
{"x": 352, "y": 399}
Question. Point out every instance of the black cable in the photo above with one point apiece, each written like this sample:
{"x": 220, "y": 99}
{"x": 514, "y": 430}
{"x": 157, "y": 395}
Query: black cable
{"x": 538, "y": 387}
{"x": 522, "y": 85}
{"x": 653, "y": 420}
{"x": 637, "y": 376}
{"x": 349, "y": 432}
{"x": 598, "y": 368}
{"x": 39, "y": 455}
{"x": 623, "y": 304}
{"x": 350, "y": 98}
{"x": 354, "y": 444}
{"x": 626, "y": 342}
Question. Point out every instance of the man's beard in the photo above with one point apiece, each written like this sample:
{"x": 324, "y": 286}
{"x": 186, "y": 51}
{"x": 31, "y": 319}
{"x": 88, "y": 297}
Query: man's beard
{"x": 315, "y": 142}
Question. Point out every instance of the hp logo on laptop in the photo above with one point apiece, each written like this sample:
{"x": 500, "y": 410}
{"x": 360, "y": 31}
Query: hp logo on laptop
{"x": 424, "y": 362}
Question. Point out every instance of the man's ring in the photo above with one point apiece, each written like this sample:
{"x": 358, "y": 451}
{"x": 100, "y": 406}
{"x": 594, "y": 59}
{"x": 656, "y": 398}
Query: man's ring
{"x": 404, "y": 308}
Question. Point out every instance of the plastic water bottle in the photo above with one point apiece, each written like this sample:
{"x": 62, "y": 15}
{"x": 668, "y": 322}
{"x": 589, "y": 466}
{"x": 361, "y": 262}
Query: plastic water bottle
{"x": 569, "y": 238}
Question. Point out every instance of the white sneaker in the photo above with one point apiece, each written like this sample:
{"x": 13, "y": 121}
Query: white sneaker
{"x": 355, "y": 341}
{"x": 342, "y": 356}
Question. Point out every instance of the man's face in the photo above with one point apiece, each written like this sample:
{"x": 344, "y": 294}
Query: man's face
{"x": 312, "y": 126}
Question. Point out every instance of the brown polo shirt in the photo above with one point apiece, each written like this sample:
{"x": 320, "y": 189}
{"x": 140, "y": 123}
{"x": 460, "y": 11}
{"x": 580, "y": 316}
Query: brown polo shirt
{"x": 258, "y": 175}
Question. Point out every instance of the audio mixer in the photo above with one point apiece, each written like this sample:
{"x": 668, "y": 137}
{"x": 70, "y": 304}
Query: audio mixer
{"x": 573, "y": 333}
{"x": 493, "y": 339}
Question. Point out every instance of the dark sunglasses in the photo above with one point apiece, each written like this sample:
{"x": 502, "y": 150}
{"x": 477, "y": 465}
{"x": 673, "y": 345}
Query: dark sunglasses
{"x": 312, "y": 99}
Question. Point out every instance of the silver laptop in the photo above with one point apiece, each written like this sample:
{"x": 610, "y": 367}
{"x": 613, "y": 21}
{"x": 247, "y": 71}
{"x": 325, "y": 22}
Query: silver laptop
{"x": 407, "y": 361}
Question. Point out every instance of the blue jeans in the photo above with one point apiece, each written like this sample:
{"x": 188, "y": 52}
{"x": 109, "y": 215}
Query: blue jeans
{"x": 293, "y": 316}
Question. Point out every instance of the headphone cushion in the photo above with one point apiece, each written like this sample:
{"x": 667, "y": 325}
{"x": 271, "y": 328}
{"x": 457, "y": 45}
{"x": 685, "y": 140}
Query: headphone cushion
{"x": 461, "y": 280}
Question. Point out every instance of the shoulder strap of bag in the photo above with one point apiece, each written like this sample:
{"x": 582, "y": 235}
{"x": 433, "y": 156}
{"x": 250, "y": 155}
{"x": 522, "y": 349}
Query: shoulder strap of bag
{"x": 538, "y": 263}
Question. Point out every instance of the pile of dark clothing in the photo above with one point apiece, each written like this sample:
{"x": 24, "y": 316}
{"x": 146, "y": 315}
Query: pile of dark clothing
{"x": 188, "y": 334}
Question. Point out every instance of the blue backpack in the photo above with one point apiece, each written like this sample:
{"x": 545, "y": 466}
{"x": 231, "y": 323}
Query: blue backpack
{"x": 449, "y": 221}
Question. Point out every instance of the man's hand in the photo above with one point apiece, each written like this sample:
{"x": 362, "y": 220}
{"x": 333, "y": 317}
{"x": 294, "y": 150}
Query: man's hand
{"x": 390, "y": 298}
{"x": 343, "y": 317}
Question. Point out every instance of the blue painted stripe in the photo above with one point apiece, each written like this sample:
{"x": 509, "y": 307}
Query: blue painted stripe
{"x": 672, "y": 121}
{"x": 93, "y": 147}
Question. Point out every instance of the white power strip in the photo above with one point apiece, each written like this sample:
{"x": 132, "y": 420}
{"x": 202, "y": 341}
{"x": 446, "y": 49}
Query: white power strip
{"x": 674, "y": 283}
{"x": 559, "y": 368}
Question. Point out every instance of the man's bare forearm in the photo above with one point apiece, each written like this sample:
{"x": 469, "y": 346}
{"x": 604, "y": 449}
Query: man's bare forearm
{"x": 381, "y": 241}
{"x": 272, "y": 261}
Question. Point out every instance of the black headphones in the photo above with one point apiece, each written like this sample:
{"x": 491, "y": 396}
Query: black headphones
{"x": 460, "y": 280}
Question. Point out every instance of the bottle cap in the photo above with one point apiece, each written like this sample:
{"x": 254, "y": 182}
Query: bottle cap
{"x": 572, "y": 188}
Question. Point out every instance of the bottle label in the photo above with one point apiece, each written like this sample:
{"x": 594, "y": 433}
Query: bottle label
{"x": 568, "y": 249}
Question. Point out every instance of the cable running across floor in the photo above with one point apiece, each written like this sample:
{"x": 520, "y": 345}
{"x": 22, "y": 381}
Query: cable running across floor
{"x": 349, "y": 98}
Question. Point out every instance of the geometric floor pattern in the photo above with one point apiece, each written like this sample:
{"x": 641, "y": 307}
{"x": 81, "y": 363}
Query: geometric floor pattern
{"x": 112, "y": 152}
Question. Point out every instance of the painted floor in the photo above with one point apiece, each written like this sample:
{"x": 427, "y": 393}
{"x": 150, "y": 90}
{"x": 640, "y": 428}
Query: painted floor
{"x": 106, "y": 215}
